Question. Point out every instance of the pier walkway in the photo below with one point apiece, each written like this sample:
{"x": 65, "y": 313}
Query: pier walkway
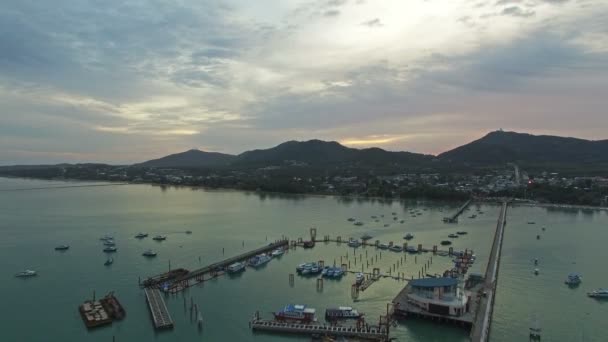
{"x": 182, "y": 280}
{"x": 483, "y": 318}
{"x": 454, "y": 217}
{"x": 160, "y": 315}
{"x": 368, "y": 332}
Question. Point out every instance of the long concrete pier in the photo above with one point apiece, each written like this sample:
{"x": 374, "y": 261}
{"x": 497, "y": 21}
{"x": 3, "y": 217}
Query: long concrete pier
{"x": 483, "y": 318}
{"x": 454, "y": 217}
{"x": 368, "y": 332}
{"x": 160, "y": 314}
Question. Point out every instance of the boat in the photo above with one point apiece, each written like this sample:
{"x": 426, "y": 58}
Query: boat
{"x": 531, "y": 222}
{"x": 110, "y": 249}
{"x": 446, "y": 242}
{"x": 188, "y": 232}
{"x": 544, "y": 229}
{"x": 462, "y": 232}
{"x": 573, "y": 279}
{"x": 535, "y": 261}
{"x": 536, "y": 271}
{"x": 259, "y": 260}
{"x": 199, "y": 319}
{"x": 366, "y": 237}
{"x": 408, "y": 236}
{"x": 453, "y": 236}
{"x": 277, "y": 252}
{"x": 301, "y": 267}
{"x": 354, "y": 243}
{"x": 382, "y": 246}
{"x": 537, "y": 237}
{"x": 359, "y": 278}
{"x": 236, "y": 267}
{"x": 26, "y": 273}
{"x": 109, "y": 261}
{"x": 159, "y": 238}
{"x": 149, "y": 253}
{"x": 62, "y": 248}
{"x": 315, "y": 269}
{"x": 402, "y": 221}
{"x": 599, "y": 293}
{"x": 296, "y": 312}
{"x": 396, "y": 248}
{"x": 141, "y": 235}
{"x": 411, "y": 249}
{"x": 358, "y": 223}
{"x": 352, "y": 219}
{"x": 342, "y": 312}
{"x": 386, "y": 224}
{"x": 109, "y": 243}
{"x": 308, "y": 244}
{"x": 106, "y": 237}
{"x": 443, "y": 253}
{"x": 473, "y": 216}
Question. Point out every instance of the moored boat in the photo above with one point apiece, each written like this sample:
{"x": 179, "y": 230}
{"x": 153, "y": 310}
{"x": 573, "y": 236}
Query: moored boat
{"x": 411, "y": 249}
{"x": 396, "y": 248}
{"x": 110, "y": 249}
{"x": 599, "y": 293}
{"x": 366, "y": 237}
{"x": 259, "y": 260}
{"x": 354, "y": 243}
{"x": 62, "y": 248}
{"x": 141, "y": 235}
{"x": 149, "y": 253}
{"x": 382, "y": 246}
{"x": 277, "y": 252}
{"x": 446, "y": 242}
{"x": 453, "y": 236}
{"x": 462, "y": 232}
{"x": 26, "y": 273}
{"x": 573, "y": 279}
{"x": 236, "y": 267}
{"x": 109, "y": 261}
{"x": 408, "y": 236}
{"x": 342, "y": 312}
{"x": 296, "y": 312}
{"x": 159, "y": 238}
{"x": 359, "y": 278}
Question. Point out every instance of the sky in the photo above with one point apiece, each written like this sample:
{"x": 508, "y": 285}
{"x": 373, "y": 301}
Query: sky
{"x": 126, "y": 81}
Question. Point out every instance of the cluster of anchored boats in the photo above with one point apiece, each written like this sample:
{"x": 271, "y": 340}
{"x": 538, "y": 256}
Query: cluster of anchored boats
{"x": 255, "y": 262}
{"x": 304, "y": 314}
{"x": 312, "y": 268}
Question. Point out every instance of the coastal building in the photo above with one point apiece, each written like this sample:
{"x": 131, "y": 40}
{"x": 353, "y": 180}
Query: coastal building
{"x": 437, "y": 296}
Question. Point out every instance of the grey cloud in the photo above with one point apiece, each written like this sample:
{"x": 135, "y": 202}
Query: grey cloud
{"x": 516, "y": 11}
{"x": 372, "y": 23}
{"x": 331, "y": 13}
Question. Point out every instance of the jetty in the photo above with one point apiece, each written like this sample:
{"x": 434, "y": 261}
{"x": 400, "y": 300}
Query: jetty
{"x": 454, "y": 217}
{"x": 481, "y": 325}
{"x": 158, "y": 309}
{"x": 181, "y": 279}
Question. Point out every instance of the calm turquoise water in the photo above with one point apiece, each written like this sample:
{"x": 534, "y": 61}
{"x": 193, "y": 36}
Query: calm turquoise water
{"x": 45, "y": 308}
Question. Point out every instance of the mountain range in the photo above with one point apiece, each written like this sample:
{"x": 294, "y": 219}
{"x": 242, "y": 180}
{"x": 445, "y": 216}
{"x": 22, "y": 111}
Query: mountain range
{"x": 495, "y": 148}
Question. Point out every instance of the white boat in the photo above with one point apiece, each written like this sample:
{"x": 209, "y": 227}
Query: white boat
{"x": 26, "y": 273}
{"x": 159, "y": 238}
{"x": 359, "y": 278}
{"x": 599, "y": 293}
{"x": 106, "y": 237}
{"x": 236, "y": 267}
{"x": 110, "y": 249}
{"x": 341, "y": 312}
{"x": 141, "y": 235}
{"x": 259, "y": 260}
{"x": 411, "y": 249}
{"x": 536, "y": 271}
{"x": 277, "y": 252}
{"x": 382, "y": 246}
{"x": 109, "y": 261}
{"x": 149, "y": 253}
{"x": 358, "y": 223}
{"x": 396, "y": 248}
{"x": 354, "y": 243}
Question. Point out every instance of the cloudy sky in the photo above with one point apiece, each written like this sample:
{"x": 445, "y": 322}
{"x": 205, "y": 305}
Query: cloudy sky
{"x": 125, "y": 81}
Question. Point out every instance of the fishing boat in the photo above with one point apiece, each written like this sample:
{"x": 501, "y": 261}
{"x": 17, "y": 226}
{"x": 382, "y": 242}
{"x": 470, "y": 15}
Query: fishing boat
{"x": 573, "y": 279}
{"x": 296, "y": 312}
{"x": 259, "y": 260}
{"x": 382, "y": 246}
{"x": 396, "y": 248}
{"x": 159, "y": 238}
{"x": 277, "y": 252}
{"x": 366, "y": 237}
{"x": 141, "y": 235}
{"x": 62, "y": 248}
{"x": 408, "y": 236}
{"x": 342, "y": 312}
{"x": 110, "y": 249}
{"x": 109, "y": 261}
{"x": 149, "y": 253}
{"x": 236, "y": 267}
{"x": 599, "y": 293}
{"x": 446, "y": 242}
{"x": 26, "y": 273}
{"x": 453, "y": 236}
{"x": 354, "y": 243}
{"x": 359, "y": 278}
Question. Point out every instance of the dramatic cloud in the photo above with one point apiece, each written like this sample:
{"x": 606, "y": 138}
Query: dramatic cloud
{"x": 120, "y": 82}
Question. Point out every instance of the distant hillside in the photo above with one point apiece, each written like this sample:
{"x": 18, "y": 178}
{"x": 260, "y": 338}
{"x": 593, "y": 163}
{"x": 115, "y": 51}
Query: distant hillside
{"x": 318, "y": 152}
{"x": 502, "y": 147}
{"x": 191, "y": 159}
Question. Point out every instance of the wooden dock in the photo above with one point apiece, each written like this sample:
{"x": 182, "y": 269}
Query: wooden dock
{"x": 184, "y": 279}
{"x": 454, "y": 217}
{"x": 368, "y": 332}
{"x": 160, "y": 314}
